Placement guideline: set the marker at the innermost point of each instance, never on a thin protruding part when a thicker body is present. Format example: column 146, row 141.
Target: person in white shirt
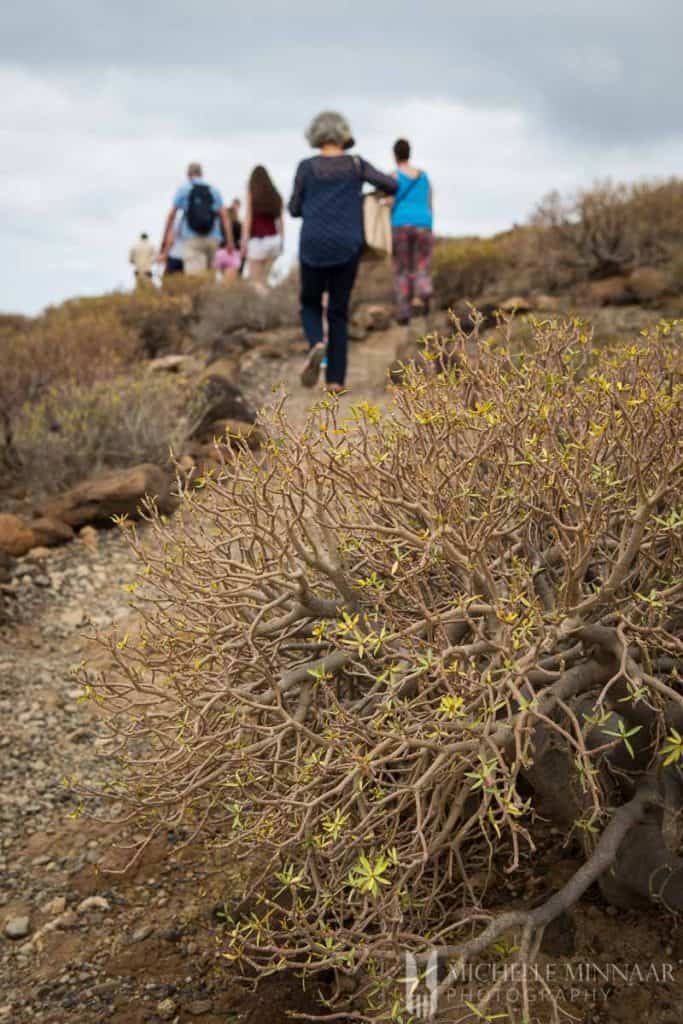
column 142, row 256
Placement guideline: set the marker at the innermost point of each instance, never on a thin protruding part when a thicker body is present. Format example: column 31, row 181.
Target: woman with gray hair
column 328, row 194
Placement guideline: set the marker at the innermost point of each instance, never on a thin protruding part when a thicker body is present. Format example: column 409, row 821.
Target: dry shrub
column 161, row 321
column 76, row 341
column 225, row 309
column 368, row 659
column 13, row 322
column 374, row 283
column 648, row 284
column 65, row 344
column 80, row 343
column 465, row 268
column 76, row 430
column 611, row 228
column 189, row 287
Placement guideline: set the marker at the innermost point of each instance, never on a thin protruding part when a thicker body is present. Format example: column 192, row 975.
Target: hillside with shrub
column 611, row 244
column 62, row 407
column 369, row 675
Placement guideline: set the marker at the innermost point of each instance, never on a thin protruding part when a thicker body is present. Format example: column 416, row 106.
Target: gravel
column 78, row 943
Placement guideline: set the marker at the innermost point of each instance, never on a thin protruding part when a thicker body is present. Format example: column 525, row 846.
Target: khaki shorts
column 198, row 254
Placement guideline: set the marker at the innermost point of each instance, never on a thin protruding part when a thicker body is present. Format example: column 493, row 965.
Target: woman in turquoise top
column 411, row 221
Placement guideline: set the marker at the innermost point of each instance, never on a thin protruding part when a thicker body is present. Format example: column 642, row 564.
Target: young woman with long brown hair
column 263, row 228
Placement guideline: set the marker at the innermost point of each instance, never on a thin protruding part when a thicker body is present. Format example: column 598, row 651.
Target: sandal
column 311, row 370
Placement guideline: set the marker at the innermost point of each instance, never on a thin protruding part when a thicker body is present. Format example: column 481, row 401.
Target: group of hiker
column 201, row 234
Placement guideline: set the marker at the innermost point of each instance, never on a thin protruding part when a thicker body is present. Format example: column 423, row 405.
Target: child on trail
column 228, row 262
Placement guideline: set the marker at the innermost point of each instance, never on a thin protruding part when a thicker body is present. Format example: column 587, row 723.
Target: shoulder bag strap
column 410, row 188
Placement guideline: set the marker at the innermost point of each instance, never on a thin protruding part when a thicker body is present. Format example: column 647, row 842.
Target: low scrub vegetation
column 75, row 430
column 631, row 231
column 612, row 228
column 73, row 393
column 465, row 268
column 221, row 311
column 66, row 345
column 372, row 662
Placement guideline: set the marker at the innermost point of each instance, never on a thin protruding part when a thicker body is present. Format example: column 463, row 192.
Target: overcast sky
column 103, row 104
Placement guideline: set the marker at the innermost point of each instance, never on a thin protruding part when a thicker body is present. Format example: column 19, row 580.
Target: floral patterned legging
column 412, row 259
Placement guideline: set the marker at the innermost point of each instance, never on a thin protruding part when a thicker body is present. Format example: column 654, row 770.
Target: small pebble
column 199, row 1006
column 92, row 903
column 140, row 934
column 166, row 1009
column 55, row 906
column 17, row 928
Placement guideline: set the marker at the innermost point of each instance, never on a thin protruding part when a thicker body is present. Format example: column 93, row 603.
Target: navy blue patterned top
column 328, row 194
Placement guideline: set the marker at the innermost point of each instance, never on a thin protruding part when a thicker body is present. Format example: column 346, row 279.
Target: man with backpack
column 203, row 214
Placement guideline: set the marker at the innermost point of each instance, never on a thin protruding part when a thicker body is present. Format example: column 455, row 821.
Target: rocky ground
column 79, row 943
column 265, row 372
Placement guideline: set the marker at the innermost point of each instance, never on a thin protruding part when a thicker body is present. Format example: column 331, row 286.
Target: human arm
column 383, row 182
column 389, row 200
column 295, row 205
column 167, row 236
column 246, row 225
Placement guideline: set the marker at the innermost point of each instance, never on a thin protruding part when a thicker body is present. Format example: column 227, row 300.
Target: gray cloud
column 103, row 105
column 606, row 70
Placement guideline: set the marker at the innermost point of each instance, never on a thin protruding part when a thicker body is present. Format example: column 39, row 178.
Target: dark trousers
column 338, row 282
column 173, row 265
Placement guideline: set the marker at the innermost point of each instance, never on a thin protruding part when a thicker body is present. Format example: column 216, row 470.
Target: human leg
column 261, row 254
column 267, row 267
column 401, row 250
column 313, row 282
column 257, row 274
column 424, row 242
column 199, row 254
column 340, row 285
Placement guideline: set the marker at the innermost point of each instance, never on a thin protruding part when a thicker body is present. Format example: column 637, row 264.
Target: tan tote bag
column 376, row 225
column 376, row 228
